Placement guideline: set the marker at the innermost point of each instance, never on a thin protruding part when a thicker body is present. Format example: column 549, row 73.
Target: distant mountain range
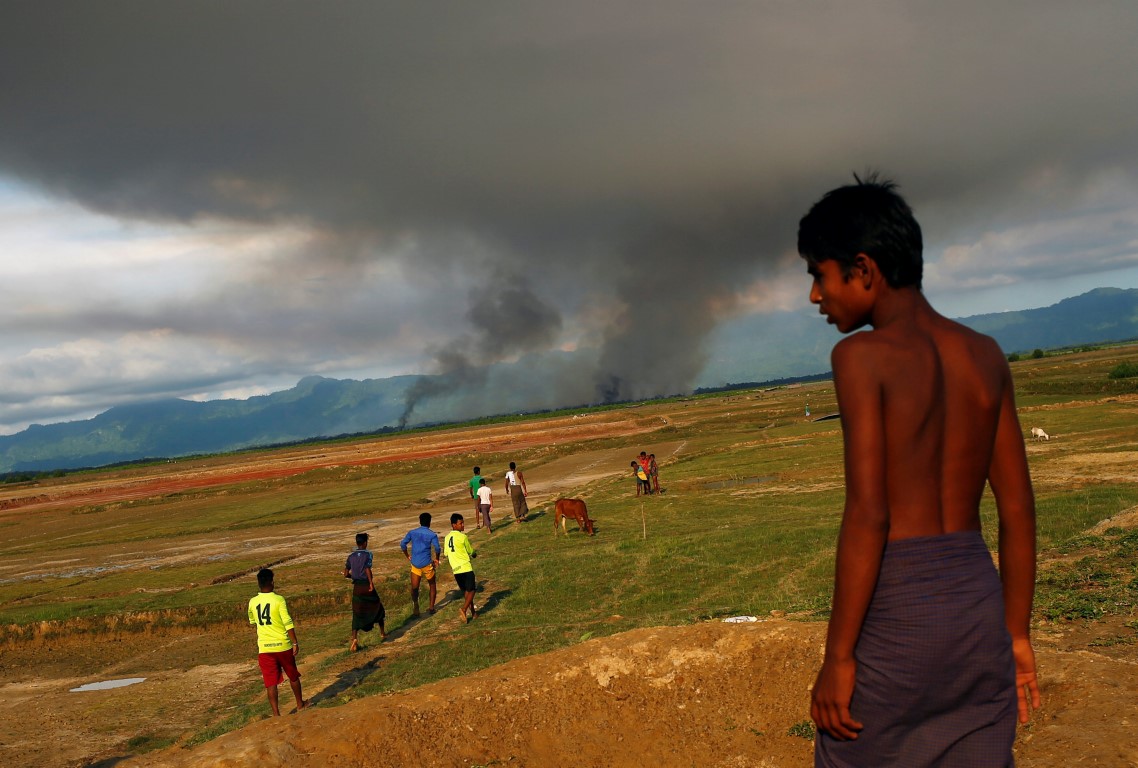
column 752, row 349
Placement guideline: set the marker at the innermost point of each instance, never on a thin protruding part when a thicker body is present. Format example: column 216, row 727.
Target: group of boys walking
column 277, row 644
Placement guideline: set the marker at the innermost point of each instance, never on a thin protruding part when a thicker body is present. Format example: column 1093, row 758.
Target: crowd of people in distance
column 647, row 474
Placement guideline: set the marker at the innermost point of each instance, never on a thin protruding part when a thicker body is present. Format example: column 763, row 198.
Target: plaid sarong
column 518, row 499
column 367, row 610
column 935, row 674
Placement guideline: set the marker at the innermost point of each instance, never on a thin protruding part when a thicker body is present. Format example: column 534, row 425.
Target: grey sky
column 213, row 198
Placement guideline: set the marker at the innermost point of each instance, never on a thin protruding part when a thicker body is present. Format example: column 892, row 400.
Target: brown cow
column 567, row 509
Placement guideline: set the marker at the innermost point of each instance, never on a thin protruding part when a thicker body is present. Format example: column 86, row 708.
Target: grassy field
column 747, row 526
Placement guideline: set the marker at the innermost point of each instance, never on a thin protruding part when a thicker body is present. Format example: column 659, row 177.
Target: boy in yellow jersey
column 459, row 554
column 276, row 641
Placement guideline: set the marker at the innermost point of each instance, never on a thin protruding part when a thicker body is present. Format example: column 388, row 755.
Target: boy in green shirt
column 276, row 641
column 459, row 554
column 473, row 485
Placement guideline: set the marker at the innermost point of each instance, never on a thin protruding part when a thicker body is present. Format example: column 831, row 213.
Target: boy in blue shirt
column 424, row 559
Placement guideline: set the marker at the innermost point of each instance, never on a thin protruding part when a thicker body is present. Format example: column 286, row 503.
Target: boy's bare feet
column 355, row 646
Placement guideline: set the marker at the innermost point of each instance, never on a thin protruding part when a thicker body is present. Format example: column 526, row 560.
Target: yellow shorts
column 427, row 571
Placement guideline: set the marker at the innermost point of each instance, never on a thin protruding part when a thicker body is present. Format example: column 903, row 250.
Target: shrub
column 1038, row 353
column 1125, row 370
column 1013, row 357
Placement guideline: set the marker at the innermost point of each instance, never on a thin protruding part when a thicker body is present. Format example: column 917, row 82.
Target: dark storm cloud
column 655, row 154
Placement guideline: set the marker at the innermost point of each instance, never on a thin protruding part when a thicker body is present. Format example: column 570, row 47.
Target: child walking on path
column 424, row 559
column 486, row 503
column 517, row 491
column 367, row 608
column 460, row 554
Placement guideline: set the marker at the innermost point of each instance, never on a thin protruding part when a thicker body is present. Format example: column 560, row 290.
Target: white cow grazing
column 1039, row 434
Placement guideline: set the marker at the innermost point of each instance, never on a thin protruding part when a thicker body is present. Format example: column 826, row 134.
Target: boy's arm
column 295, row 642
column 370, row 579
column 861, row 541
column 522, row 480
column 1015, row 504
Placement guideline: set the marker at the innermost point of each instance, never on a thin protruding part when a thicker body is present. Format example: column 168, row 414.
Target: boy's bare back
column 935, row 390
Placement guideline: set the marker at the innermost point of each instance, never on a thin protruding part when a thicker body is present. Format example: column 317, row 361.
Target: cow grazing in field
column 574, row 509
column 1039, row 434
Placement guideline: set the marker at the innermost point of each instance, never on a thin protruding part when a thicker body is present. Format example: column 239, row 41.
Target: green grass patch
column 1099, row 577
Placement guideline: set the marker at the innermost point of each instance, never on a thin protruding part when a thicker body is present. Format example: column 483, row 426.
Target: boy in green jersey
column 276, row 641
column 459, row 554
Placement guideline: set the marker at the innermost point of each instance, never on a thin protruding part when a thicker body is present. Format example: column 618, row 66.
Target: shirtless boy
column 928, row 650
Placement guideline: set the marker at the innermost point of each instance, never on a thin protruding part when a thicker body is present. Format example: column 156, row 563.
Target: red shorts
column 272, row 664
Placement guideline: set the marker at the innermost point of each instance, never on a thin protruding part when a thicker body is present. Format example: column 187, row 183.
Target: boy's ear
column 864, row 269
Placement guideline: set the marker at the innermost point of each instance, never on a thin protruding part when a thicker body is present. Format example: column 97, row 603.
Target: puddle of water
column 719, row 484
column 105, row 685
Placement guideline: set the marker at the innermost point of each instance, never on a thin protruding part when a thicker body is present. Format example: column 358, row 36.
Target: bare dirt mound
column 711, row 694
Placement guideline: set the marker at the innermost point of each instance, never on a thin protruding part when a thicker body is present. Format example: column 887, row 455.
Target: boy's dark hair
column 513, row 465
column 425, row 519
column 867, row 217
column 264, row 578
column 361, row 539
column 477, row 470
column 455, row 518
column 482, row 481
column 633, row 463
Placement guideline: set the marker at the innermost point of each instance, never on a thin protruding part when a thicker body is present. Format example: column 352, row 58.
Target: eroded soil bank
column 711, row 694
